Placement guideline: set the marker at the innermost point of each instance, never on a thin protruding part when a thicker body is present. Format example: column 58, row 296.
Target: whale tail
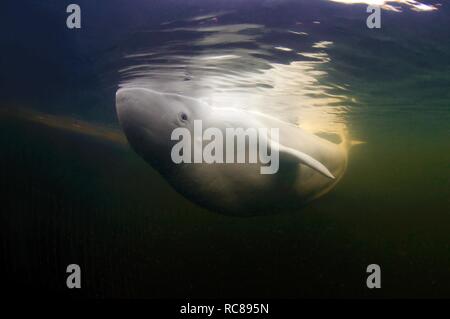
column 346, row 142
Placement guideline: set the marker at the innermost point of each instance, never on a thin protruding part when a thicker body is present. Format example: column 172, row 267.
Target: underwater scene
column 359, row 90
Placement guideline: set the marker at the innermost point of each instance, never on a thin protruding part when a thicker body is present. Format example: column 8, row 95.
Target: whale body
column 309, row 166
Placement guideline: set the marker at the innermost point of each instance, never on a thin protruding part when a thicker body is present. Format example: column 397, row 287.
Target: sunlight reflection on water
column 236, row 66
column 393, row 5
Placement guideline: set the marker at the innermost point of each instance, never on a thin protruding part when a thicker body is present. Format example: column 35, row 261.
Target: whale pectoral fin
column 303, row 158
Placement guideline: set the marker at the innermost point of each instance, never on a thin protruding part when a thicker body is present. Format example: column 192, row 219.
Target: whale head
column 148, row 119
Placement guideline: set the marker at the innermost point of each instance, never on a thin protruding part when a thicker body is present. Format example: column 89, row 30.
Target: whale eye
column 183, row 117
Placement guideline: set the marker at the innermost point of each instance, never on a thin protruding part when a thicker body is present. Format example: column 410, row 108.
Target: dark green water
column 73, row 198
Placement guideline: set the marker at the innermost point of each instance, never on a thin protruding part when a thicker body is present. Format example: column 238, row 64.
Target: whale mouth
column 142, row 116
column 134, row 116
column 127, row 109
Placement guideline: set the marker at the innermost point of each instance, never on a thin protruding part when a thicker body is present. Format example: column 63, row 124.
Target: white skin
column 309, row 165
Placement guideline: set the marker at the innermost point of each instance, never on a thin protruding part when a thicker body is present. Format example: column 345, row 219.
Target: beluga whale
column 289, row 167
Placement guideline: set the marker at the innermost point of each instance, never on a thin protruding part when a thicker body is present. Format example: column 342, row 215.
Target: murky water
column 75, row 192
